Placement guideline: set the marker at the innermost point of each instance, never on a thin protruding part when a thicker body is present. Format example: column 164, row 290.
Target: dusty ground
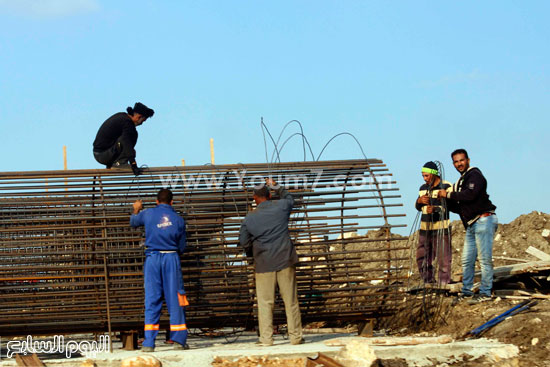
column 528, row 330
column 258, row 361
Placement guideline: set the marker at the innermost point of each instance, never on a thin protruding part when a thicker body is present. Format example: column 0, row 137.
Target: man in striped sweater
column 435, row 233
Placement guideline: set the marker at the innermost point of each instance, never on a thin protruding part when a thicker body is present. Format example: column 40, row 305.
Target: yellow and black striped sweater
column 439, row 219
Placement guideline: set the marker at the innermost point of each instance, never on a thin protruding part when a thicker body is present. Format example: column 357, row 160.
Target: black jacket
column 117, row 126
column 470, row 193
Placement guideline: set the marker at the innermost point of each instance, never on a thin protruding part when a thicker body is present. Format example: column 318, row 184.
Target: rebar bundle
column 70, row 262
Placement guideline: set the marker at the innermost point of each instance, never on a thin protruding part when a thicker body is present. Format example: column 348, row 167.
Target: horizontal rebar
column 60, row 231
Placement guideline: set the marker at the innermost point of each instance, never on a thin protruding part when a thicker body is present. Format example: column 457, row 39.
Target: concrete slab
column 203, row 351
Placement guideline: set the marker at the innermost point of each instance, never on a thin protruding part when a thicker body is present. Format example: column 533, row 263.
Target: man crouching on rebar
column 434, row 238
column 165, row 240
column 265, row 231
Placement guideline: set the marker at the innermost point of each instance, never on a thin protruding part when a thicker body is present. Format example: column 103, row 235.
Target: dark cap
column 430, row 167
column 142, row 109
column 261, row 191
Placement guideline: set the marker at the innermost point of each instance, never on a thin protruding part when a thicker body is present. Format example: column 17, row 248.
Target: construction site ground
column 244, row 352
column 522, row 340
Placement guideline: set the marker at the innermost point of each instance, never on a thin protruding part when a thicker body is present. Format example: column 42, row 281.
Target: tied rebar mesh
column 427, row 288
column 69, row 261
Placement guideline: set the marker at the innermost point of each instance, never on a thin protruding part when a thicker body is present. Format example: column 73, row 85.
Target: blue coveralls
column 165, row 240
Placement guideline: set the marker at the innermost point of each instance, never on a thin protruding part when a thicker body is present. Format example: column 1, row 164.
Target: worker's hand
column 270, row 182
column 137, row 171
column 424, row 200
column 429, row 209
column 138, row 206
column 442, row 194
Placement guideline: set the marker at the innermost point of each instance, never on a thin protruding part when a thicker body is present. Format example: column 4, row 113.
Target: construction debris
column 28, row 360
column 356, row 353
column 143, row 360
column 322, row 360
column 443, row 339
column 258, row 361
column 503, row 316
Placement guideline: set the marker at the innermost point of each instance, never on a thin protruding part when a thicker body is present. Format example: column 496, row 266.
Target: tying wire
column 337, row 135
column 264, row 130
column 431, row 298
column 225, row 334
column 304, row 139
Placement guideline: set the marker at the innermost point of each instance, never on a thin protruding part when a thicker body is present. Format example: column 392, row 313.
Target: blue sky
column 412, row 80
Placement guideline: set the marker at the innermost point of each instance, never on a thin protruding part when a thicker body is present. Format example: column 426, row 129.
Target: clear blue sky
column 413, row 80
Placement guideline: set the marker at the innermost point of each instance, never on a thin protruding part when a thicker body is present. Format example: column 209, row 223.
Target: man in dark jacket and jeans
column 265, row 232
column 117, row 137
column 478, row 216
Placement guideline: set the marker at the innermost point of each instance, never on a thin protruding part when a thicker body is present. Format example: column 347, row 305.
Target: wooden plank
column 534, row 295
column 510, row 259
column 28, row 361
column 322, row 360
column 530, row 267
column 541, row 255
column 515, row 297
column 443, row 339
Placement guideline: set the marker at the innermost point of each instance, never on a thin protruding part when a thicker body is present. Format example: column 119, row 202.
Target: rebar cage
column 70, row 262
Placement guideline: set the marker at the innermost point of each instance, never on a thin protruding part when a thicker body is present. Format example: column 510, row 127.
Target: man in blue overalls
column 165, row 240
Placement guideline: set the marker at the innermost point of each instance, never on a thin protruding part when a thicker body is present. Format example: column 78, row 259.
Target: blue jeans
column 479, row 242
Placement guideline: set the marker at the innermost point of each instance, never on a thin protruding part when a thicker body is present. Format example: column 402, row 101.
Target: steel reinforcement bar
column 69, row 262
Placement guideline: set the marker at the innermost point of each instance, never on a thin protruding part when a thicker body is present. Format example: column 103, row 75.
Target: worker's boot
column 178, row 346
column 148, row 349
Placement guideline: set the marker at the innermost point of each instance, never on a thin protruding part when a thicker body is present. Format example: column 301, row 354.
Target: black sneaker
column 478, row 298
column 178, row 346
column 461, row 297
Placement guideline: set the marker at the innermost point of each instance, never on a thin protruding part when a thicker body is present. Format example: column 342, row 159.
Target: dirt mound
column 511, row 240
column 526, row 329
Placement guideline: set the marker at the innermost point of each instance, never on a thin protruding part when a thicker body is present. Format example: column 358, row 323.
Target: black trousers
column 120, row 153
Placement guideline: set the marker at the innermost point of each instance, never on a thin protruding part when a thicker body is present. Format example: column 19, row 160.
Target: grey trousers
column 265, row 293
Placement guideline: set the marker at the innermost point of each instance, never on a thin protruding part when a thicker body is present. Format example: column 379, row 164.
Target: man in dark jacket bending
column 265, row 232
column 478, row 216
column 117, row 137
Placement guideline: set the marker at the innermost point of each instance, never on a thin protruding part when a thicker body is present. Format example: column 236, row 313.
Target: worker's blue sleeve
column 137, row 220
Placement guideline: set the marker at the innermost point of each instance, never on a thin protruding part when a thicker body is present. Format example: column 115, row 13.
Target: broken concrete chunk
column 141, row 361
column 88, row 363
column 356, row 353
